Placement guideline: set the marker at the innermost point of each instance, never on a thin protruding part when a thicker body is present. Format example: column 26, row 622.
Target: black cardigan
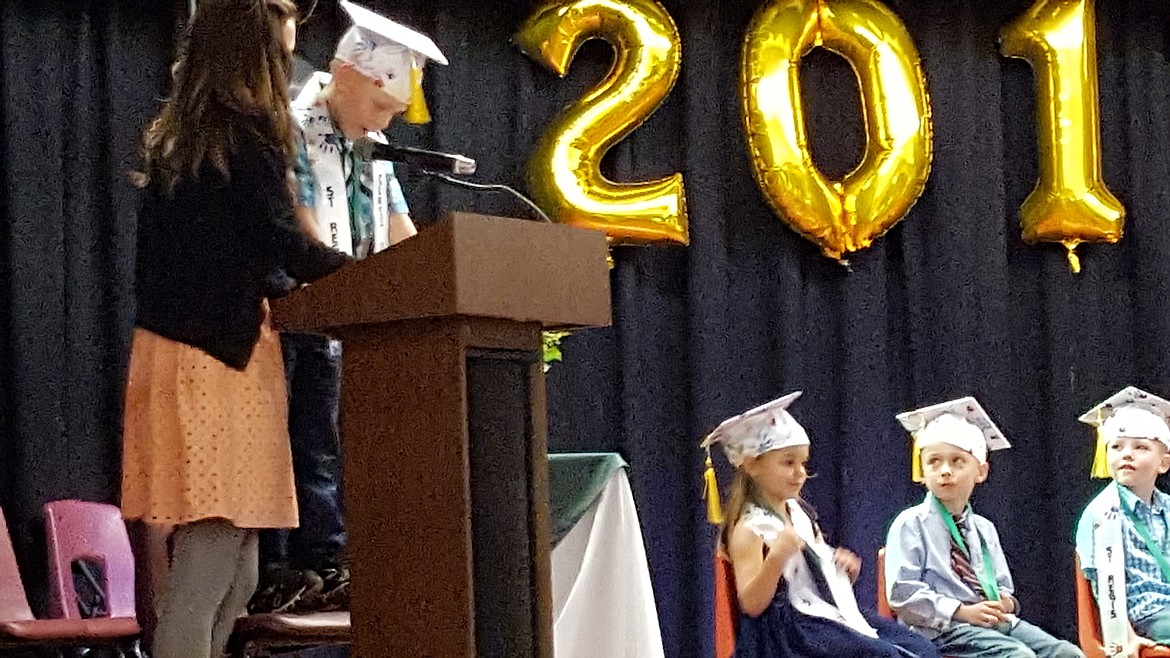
column 207, row 252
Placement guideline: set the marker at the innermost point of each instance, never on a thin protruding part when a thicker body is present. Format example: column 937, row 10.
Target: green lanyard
column 1151, row 546
column 987, row 578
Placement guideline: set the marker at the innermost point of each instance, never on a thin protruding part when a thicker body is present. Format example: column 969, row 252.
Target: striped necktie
column 961, row 563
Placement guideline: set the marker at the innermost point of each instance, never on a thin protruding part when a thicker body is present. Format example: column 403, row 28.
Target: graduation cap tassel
column 915, row 459
column 417, row 113
column 711, row 493
column 1100, row 463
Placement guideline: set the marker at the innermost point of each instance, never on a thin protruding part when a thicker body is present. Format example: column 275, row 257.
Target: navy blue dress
column 782, row 631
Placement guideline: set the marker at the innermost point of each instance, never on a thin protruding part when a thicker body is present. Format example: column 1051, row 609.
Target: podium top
column 465, row 265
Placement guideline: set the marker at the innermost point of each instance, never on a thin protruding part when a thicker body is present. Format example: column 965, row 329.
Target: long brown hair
column 741, row 494
column 231, row 77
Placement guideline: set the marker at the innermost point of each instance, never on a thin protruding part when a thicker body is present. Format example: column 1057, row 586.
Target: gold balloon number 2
column 1070, row 204
column 564, row 173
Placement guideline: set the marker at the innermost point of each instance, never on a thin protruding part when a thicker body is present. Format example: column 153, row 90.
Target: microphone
column 440, row 166
column 429, row 161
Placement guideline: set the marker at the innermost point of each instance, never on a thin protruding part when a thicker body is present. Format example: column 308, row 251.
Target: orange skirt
column 202, row 441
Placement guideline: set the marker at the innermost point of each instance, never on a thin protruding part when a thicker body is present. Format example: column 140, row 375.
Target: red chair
column 726, row 607
column 19, row 629
column 1089, row 622
column 883, row 604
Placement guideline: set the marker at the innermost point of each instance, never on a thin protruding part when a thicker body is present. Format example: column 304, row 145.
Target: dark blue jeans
column 312, row 368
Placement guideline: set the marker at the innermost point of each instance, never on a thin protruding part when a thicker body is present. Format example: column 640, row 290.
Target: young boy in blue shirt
column 946, row 574
column 1123, row 536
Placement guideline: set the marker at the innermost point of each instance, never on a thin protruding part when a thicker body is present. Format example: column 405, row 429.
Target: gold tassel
column 1100, row 462
column 711, row 493
column 417, row 112
column 915, row 459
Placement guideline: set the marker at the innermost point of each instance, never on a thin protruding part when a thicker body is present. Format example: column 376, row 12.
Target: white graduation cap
column 750, row 434
column 763, row 429
column 391, row 53
column 962, row 423
column 1129, row 413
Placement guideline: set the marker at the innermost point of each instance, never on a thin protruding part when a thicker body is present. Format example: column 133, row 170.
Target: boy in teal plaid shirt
column 1123, row 536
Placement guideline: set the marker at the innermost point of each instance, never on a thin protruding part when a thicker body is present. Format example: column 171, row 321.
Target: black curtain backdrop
column 949, row 303
column 78, row 80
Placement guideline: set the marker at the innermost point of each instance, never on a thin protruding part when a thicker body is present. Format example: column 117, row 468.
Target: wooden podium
column 444, row 428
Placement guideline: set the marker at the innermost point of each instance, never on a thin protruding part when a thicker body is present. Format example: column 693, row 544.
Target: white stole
column 382, row 173
column 322, row 142
column 839, row 584
column 802, row 589
column 1109, row 560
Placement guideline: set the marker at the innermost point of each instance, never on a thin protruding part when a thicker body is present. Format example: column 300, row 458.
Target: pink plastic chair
column 78, row 530
column 95, row 532
column 18, row 627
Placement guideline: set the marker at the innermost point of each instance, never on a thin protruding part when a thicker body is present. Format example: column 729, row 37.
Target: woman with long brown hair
column 205, row 433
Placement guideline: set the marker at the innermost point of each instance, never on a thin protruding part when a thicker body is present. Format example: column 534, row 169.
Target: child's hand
column 985, row 614
column 847, row 561
column 1134, row 648
column 786, row 544
column 1009, row 603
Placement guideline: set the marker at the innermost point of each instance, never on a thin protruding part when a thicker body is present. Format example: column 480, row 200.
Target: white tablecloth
column 603, row 605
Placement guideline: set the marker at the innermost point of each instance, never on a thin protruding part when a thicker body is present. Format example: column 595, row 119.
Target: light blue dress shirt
column 922, row 588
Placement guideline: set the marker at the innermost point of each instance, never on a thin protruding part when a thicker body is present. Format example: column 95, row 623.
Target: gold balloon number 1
column 1070, row 204
column 564, row 173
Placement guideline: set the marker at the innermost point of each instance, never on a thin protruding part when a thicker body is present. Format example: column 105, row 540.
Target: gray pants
column 213, row 574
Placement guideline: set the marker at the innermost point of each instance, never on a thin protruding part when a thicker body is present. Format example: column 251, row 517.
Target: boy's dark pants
column 312, row 368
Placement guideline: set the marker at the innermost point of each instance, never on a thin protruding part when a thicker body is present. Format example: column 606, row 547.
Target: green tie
column 360, row 198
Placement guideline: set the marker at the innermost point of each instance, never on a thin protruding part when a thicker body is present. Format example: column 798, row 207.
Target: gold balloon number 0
column 1070, row 204
column 847, row 215
column 564, row 173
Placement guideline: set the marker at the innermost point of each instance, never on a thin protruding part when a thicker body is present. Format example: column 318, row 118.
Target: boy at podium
column 356, row 206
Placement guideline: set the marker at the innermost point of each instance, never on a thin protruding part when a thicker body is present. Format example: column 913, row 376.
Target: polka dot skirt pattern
column 202, row 440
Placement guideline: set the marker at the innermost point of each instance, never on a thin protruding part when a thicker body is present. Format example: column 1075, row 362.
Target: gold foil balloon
column 564, row 171
column 1070, row 204
column 847, row 215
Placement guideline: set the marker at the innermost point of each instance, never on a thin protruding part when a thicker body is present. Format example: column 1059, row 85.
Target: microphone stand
column 488, row 187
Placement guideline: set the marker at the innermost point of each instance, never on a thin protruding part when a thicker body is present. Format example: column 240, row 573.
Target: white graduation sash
column 839, row 583
column 322, row 142
column 802, row 589
column 1109, row 560
column 381, row 173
